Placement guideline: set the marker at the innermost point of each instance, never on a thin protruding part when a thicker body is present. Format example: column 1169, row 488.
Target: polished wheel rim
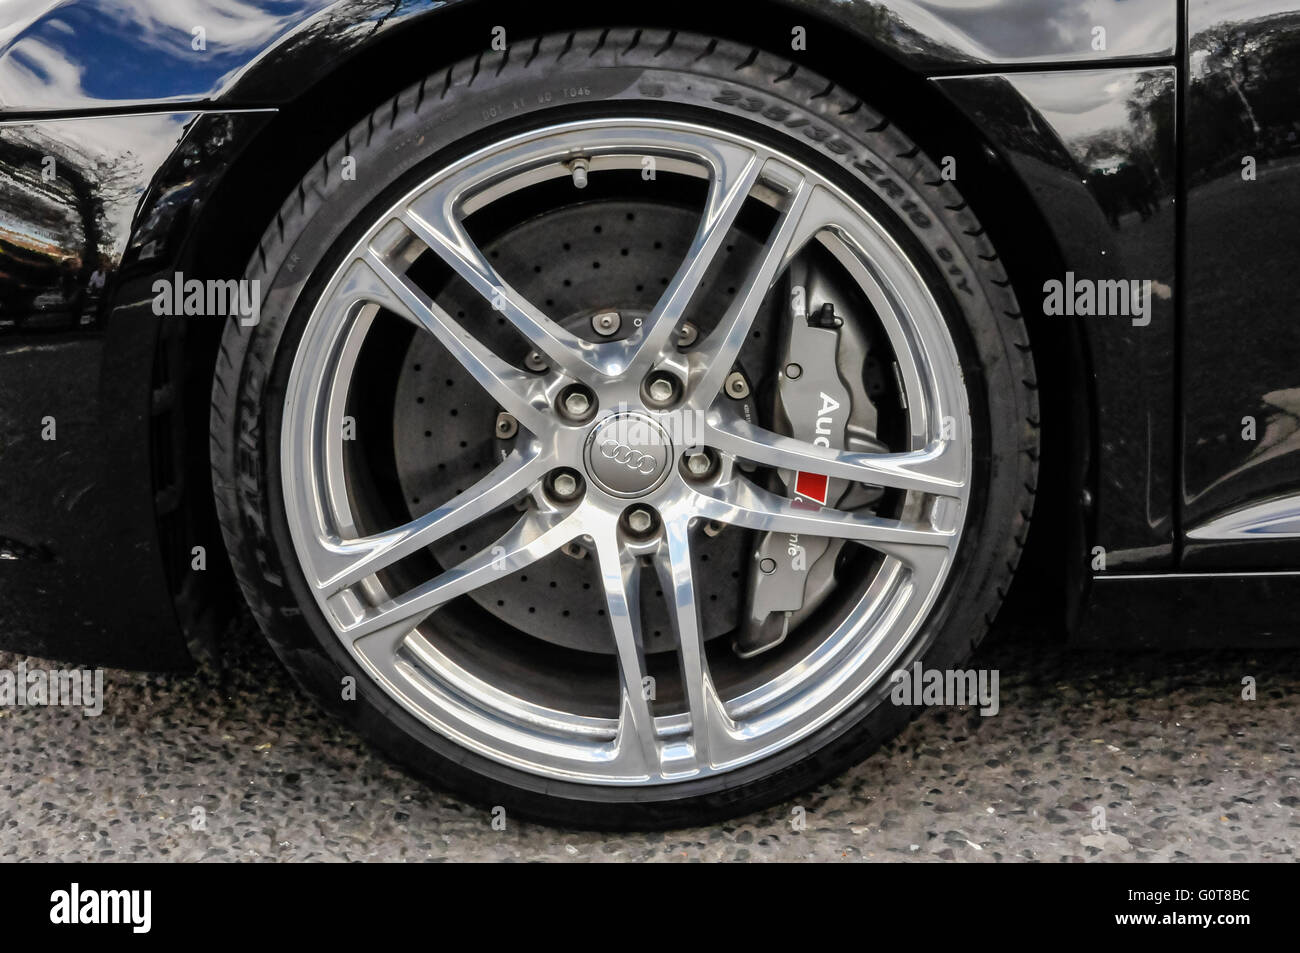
column 618, row 469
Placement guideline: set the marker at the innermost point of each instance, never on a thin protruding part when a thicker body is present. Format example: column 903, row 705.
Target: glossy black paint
column 1098, row 154
column 81, row 566
column 96, row 528
column 92, row 54
column 1131, row 613
column 1242, row 339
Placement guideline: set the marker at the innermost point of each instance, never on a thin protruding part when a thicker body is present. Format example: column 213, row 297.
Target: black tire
column 488, row 96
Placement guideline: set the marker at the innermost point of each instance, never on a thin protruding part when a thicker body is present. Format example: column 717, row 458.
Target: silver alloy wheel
column 384, row 630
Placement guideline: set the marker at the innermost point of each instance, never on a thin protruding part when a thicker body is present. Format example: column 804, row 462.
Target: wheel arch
column 225, row 231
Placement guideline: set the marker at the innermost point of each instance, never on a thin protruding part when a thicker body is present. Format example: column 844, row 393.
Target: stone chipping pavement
column 1182, row 766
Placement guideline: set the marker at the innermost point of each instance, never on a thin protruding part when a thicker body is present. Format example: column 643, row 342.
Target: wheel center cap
column 628, row 454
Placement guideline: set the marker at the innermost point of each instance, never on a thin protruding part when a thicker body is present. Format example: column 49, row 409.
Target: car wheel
column 621, row 414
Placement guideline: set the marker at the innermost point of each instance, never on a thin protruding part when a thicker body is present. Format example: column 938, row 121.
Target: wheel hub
column 628, row 455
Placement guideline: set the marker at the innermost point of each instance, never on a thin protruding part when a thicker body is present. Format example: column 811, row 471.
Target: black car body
column 1107, row 140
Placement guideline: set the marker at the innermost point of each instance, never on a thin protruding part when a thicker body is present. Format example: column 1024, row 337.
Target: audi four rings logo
column 637, row 460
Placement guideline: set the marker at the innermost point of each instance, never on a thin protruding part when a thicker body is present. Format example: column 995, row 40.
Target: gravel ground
column 1184, row 768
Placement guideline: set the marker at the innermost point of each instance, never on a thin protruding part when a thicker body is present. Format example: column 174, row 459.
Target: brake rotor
column 574, row 263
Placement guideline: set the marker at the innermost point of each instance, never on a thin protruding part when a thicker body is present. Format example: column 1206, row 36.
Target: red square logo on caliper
column 811, row 486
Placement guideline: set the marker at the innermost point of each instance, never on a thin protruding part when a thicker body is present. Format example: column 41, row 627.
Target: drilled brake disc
column 616, row 255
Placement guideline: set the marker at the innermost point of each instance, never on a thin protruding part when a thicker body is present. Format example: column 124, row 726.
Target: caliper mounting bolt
column 825, row 317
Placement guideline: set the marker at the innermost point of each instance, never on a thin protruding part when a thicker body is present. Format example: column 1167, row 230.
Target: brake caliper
column 814, row 404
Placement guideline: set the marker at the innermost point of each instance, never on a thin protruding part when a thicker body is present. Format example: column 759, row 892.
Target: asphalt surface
column 1184, row 768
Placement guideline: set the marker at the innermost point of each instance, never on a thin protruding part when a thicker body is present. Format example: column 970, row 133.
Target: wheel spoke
column 733, row 172
column 936, row 469
column 743, row 504
column 432, row 219
column 518, row 392
column 803, row 217
column 342, row 563
column 534, row 536
column 621, row 575
column 711, row 742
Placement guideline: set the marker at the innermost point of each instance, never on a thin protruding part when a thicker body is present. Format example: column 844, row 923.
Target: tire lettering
column 881, row 179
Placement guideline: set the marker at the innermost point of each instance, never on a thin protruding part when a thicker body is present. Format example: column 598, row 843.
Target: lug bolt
column 736, row 386
column 767, row 566
column 564, row 485
column 606, row 323
column 576, row 403
column 793, row 371
column 660, row 390
column 687, row 334
column 640, row 520
column 507, row 426
column 579, row 169
column 699, row 464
